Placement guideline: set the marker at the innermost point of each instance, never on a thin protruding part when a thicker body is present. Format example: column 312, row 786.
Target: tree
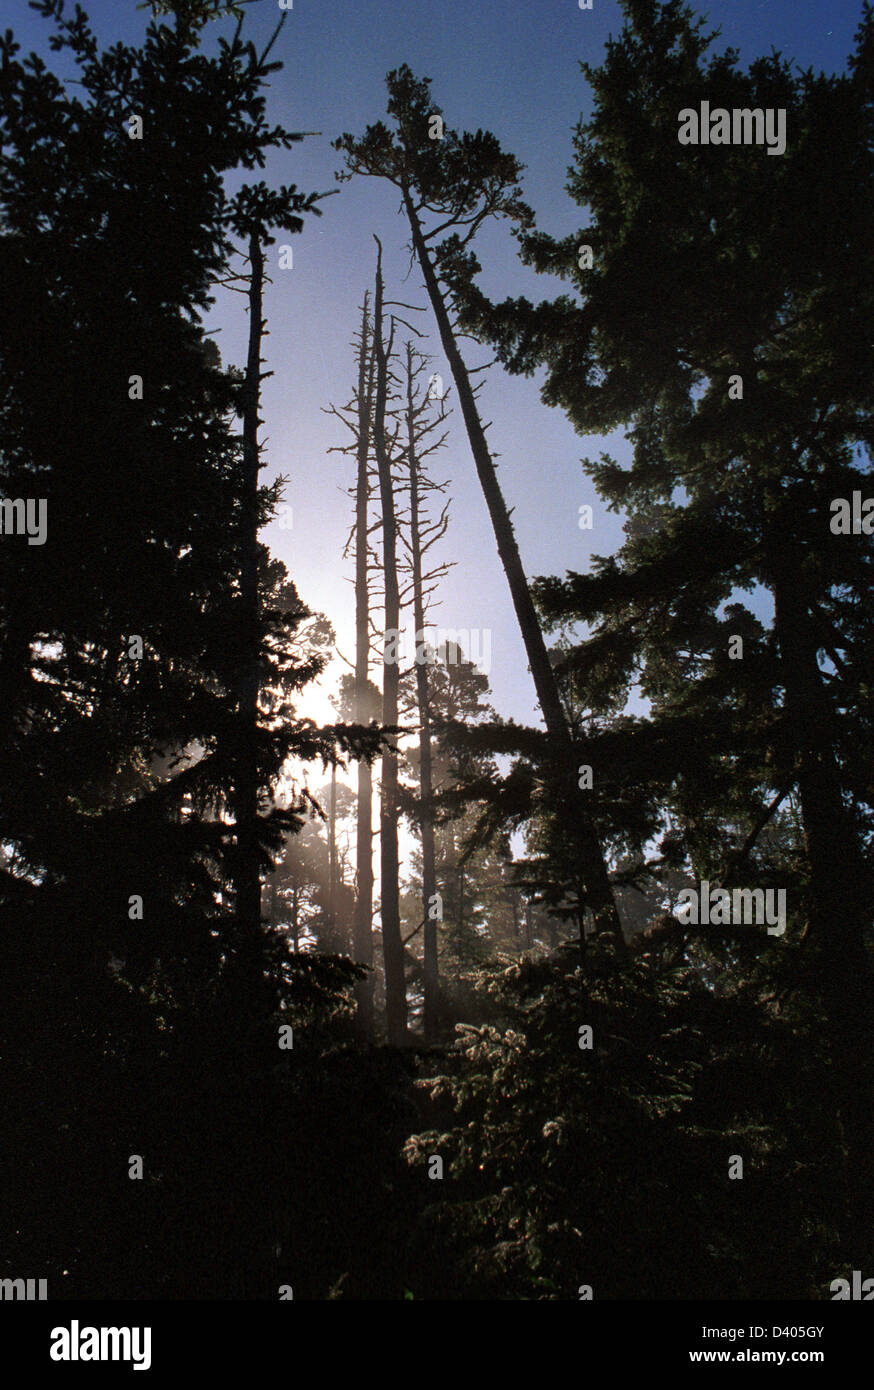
column 739, row 356
column 392, row 942
column 584, row 1116
column 424, row 532
column 122, row 647
column 364, row 709
column 411, row 422
column 360, row 701
column 461, row 181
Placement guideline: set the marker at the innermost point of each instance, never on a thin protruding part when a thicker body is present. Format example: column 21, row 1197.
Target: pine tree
column 738, row 355
column 122, row 647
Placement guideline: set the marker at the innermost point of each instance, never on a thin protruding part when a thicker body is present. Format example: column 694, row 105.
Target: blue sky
column 510, row 66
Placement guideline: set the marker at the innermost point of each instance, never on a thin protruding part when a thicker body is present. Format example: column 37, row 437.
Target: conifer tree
column 737, row 354
column 124, row 654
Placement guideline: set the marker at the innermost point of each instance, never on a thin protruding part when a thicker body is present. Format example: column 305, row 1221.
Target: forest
column 326, row 976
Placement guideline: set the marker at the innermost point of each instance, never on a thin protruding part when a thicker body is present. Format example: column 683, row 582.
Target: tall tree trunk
column 592, row 862
column 392, row 940
column 332, row 860
column 426, row 821
column 249, row 968
column 363, row 920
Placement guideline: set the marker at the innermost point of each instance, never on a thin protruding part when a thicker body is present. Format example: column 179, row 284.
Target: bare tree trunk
column 392, row 940
column 426, row 822
column 332, row 860
column 248, row 969
column 594, row 868
column 363, row 922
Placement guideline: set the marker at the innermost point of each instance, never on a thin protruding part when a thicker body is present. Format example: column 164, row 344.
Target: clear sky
column 510, row 66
